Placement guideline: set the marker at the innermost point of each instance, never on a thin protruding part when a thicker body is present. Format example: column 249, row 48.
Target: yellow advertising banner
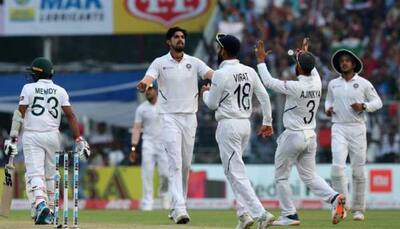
column 107, row 183
column 156, row 16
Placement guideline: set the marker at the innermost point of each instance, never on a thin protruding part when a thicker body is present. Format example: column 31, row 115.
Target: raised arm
column 281, row 86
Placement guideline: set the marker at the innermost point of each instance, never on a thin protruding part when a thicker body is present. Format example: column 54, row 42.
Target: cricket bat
column 7, row 195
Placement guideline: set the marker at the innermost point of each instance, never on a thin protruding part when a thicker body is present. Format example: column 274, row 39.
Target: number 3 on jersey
column 310, row 106
column 38, row 109
column 243, row 99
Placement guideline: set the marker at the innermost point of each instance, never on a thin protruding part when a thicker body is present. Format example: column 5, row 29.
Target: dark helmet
column 41, row 68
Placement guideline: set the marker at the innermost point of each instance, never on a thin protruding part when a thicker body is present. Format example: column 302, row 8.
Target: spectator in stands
column 390, row 149
column 101, row 142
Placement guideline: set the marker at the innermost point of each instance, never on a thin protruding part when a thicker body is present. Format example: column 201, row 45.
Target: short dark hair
column 230, row 43
column 306, row 61
column 171, row 31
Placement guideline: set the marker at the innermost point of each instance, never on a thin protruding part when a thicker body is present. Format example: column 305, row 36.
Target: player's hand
column 83, row 148
column 329, row 112
column 357, row 107
column 205, row 88
column 142, row 86
column 305, row 44
column 133, row 156
column 10, row 147
column 265, row 131
column 260, row 53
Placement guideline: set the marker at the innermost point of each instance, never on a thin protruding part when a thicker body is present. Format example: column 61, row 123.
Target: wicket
column 75, row 185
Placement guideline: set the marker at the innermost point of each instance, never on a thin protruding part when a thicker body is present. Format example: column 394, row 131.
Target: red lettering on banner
column 380, row 180
column 166, row 12
column 270, row 203
column 197, row 186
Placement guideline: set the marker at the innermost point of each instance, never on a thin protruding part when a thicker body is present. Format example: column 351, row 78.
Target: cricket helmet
column 41, row 68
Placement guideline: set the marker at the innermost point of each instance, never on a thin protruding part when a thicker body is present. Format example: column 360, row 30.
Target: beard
column 179, row 48
column 297, row 70
column 220, row 59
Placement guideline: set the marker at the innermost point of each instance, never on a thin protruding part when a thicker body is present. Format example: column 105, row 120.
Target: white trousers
column 179, row 131
column 39, row 155
column 152, row 154
column 298, row 148
column 350, row 140
column 232, row 136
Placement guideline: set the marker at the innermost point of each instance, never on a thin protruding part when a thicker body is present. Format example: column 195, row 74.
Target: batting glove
column 83, row 148
column 10, row 147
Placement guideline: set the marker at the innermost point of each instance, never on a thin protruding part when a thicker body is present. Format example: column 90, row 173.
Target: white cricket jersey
column 342, row 93
column 177, row 82
column 231, row 92
column 44, row 100
column 147, row 115
column 302, row 98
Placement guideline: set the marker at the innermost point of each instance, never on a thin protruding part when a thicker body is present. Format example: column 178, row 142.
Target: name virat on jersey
column 45, row 91
column 241, row 77
column 310, row 94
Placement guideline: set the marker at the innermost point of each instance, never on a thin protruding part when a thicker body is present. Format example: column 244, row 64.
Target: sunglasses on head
column 218, row 38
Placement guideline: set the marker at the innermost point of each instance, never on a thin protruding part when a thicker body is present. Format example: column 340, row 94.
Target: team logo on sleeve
column 356, row 85
column 188, row 66
column 21, row 98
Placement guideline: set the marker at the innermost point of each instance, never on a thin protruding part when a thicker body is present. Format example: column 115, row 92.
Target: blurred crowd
column 369, row 28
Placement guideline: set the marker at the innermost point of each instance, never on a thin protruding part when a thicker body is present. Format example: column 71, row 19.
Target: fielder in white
column 39, row 115
column 230, row 94
column 297, row 145
column 177, row 76
column 348, row 100
column 147, row 120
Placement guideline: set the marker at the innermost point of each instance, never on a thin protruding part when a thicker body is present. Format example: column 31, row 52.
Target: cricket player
column 39, row 116
column 297, row 145
column 349, row 99
column 177, row 76
column 230, row 94
column 147, row 120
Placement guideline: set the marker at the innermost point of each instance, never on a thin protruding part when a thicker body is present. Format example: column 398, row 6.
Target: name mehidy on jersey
column 45, row 91
column 241, row 77
column 310, row 94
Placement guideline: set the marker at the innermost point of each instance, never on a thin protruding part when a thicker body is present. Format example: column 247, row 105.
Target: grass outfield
column 124, row 219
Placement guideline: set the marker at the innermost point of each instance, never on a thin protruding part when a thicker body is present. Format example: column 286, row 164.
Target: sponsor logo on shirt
column 188, row 66
column 356, row 85
column 380, row 180
column 167, row 67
